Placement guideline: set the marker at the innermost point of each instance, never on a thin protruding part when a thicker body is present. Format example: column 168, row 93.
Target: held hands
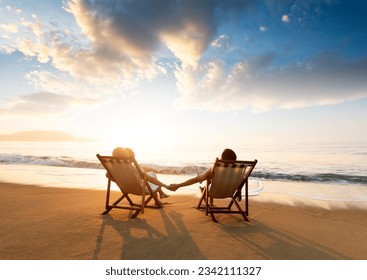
column 173, row 187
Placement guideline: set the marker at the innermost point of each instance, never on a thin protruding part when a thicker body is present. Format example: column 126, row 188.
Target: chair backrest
column 126, row 173
column 227, row 176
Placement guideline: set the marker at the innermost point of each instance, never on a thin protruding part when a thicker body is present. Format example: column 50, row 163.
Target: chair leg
column 237, row 195
column 109, row 207
column 211, row 213
column 143, row 198
column 206, row 202
column 156, row 200
column 136, row 213
column 240, row 210
column 203, row 194
column 213, row 218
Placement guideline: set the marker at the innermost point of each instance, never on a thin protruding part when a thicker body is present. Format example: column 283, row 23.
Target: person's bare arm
column 198, row 179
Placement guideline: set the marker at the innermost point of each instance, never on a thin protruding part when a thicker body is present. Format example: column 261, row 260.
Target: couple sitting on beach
column 227, row 154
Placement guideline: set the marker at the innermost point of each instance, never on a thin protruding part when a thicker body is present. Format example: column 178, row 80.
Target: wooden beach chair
column 227, row 180
column 131, row 180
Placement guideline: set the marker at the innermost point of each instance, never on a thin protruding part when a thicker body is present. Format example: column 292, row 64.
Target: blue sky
column 179, row 73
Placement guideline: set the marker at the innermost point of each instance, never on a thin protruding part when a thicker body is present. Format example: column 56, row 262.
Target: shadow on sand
column 272, row 244
column 141, row 239
column 167, row 234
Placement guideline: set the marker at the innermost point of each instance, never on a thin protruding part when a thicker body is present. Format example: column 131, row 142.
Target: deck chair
column 131, row 180
column 227, row 180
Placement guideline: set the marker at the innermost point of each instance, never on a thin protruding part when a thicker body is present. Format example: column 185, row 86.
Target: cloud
column 10, row 27
column 98, row 64
column 255, row 84
column 66, row 84
column 119, row 41
column 285, row 18
column 42, row 103
column 11, row 9
column 185, row 27
column 117, row 44
column 6, row 50
column 35, row 26
column 263, row 28
column 222, row 42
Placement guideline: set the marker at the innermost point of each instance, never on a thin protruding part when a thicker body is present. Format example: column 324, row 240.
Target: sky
column 185, row 73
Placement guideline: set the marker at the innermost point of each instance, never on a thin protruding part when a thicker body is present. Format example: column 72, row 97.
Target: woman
column 151, row 176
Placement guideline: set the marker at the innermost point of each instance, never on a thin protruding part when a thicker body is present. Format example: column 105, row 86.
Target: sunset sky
column 179, row 73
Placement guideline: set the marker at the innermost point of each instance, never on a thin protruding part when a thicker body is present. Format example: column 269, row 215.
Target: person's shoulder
column 207, row 172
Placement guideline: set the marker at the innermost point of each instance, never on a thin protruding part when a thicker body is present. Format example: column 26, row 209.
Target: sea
column 74, row 164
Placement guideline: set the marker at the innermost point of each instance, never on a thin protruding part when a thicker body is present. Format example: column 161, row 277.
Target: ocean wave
column 316, row 177
column 47, row 161
column 264, row 174
column 94, row 164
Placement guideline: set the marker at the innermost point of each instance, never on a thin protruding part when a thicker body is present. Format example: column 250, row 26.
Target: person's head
column 131, row 153
column 123, row 152
column 229, row 154
column 120, row 152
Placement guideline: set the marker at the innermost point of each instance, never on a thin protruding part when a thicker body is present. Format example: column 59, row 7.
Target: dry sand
column 63, row 223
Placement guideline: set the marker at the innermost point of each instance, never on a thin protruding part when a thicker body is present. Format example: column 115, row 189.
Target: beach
column 270, row 95
column 40, row 222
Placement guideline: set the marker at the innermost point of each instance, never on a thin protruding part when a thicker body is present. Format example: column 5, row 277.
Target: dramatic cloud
column 138, row 29
column 98, row 65
column 119, row 41
column 254, row 84
column 118, row 44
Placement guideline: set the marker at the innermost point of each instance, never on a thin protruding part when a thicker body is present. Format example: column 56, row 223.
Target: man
column 227, row 154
